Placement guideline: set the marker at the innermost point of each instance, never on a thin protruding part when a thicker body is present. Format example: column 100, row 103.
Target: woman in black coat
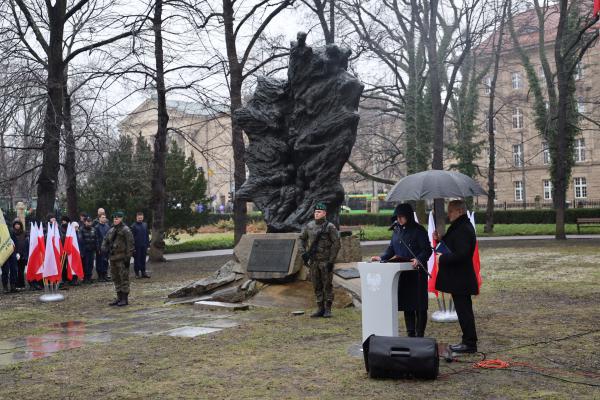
column 409, row 240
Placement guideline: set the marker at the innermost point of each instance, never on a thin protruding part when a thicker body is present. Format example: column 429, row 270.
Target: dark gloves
column 330, row 267
column 305, row 258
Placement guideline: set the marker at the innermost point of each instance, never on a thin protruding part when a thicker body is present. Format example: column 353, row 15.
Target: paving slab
column 190, row 331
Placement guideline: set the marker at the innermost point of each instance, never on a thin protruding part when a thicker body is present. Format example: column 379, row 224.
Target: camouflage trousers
column 119, row 270
column 322, row 280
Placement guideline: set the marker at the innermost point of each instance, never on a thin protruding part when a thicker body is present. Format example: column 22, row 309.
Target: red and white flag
column 35, row 261
column 51, row 267
column 71, row 249
column 432, row 266
column 476, row 260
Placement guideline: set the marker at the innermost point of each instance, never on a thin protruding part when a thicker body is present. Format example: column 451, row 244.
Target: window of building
column 580, row 105
column 487, row 85
column 545, row 153
column 579, row 150
column 547, row 189
column 518, row 155
column 517, row 118
column 580, row 185
column 579, row 71
column 518, row 191
column 516, row 80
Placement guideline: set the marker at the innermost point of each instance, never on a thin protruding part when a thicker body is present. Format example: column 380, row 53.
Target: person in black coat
column 88, row 249
column 456, row 274
column 21, row 239
column 141, row 239
column 410, row 243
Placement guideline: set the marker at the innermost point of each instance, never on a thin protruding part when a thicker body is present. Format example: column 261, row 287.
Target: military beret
column 320, row 206
column 118, row 214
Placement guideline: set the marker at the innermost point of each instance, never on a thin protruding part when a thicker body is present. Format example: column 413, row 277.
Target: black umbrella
column 435, row 184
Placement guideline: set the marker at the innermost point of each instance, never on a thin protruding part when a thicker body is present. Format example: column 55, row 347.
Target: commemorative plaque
column 271, row 255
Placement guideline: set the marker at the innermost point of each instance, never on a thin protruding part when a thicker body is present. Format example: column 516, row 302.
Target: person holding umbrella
column 410, row 244
column 456, row 274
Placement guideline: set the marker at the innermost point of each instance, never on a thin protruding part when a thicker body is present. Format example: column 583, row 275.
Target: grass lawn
column 213, row 241
column 539, row 311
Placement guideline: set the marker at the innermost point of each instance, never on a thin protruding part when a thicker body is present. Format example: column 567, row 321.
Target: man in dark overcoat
column 456, row 274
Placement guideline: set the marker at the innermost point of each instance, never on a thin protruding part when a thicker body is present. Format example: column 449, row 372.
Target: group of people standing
column 98, row 244
column 320, row 244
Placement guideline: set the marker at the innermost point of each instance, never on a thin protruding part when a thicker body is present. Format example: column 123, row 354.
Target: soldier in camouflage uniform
column 118, row 244
column 320, row 258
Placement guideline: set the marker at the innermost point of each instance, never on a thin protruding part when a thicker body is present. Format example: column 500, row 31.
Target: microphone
column 419, row 265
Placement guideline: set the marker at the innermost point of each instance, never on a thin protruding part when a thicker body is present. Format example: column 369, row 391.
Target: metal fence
column 536, row 205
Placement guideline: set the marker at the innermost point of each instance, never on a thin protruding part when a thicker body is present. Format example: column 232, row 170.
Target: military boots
column 116, row 301
column 320, row 312
column 327, row 311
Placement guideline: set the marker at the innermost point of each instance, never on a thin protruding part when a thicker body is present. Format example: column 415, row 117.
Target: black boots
column 124, row 301
column 327, row 313
column 319, row 312
column 323, row 311
column 116, row 301
column 415, row 321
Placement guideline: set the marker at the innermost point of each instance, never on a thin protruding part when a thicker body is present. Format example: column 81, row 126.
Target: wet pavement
column 186, row 322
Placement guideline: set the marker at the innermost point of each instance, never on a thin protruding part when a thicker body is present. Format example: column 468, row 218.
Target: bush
column 500, row 217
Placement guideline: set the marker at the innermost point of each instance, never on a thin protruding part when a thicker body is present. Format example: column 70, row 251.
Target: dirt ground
column 538, row 309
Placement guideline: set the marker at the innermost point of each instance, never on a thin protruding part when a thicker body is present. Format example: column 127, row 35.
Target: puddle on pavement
column 75, row 334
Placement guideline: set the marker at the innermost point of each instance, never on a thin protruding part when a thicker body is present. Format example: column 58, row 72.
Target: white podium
column 379, row 295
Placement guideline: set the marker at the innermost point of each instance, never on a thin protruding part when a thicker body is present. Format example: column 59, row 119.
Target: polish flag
column 36, row 258
column 476, row 260
column 71, row 249
column 596, row 7
column 432, row 266
column 41, row 246
column 51, row 268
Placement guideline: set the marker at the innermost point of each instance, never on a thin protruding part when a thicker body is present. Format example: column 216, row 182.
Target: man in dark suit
column 456, row 274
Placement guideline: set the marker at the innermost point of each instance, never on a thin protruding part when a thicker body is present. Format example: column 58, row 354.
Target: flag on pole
column 41, row 246
column 35, row 260
column 596, row 7
column 51, row 270
column 476, row 260
column 432, row 266
column 71, row 249
column 6, row 244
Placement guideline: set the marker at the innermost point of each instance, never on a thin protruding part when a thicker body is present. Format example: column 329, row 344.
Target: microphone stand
column 419, row 265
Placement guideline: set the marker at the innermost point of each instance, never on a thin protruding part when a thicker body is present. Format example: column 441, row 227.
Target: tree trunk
column 48, row 179
column 562, row 168
column 489, row 209
column 436, row 110
column 237, row 137
column 159, row 180
column 70, row 164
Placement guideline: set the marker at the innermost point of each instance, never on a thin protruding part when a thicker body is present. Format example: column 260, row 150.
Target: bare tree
column 47, row 20
column 559, row 123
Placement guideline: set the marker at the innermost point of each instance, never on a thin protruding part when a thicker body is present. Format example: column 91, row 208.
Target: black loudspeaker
column 401, row 357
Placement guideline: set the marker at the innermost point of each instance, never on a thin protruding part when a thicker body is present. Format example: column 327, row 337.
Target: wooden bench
column 587, row 221
column 354, row 228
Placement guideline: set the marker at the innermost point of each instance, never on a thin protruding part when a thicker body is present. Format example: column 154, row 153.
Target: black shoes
column 144, row 275
column 463, row 348
column 319, row 312
column 116, row 301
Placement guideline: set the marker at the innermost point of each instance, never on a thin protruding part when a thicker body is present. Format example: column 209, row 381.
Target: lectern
column 379, row 295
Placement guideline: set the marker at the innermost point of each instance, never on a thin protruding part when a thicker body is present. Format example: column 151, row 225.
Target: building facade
column 522, row 155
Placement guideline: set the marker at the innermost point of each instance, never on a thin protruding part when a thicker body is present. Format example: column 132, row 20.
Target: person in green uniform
column 118, row 244
column 320, row 243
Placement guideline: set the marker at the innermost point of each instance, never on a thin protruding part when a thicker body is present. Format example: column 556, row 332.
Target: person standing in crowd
column 88, row 249
column 456, row 274
column 101, row 212
column 410, row 244
column 118, row 244
column 319, row 246
column 21, row 240
column 141, row 237
column 101, row 229
column 9, row 270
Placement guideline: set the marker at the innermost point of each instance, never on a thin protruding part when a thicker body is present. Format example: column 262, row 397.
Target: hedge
column 500, row 217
